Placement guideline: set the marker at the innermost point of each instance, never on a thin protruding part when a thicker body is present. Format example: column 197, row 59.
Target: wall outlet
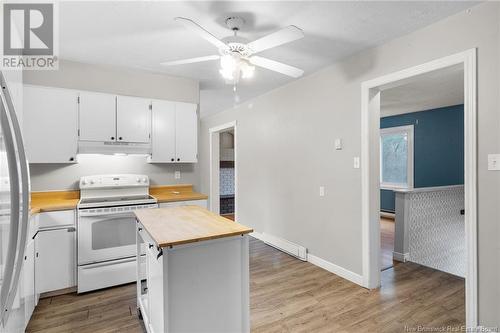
column 338, row 144
column 357, row 163
column 321, row 191
column 177, row 175
column 493, row 162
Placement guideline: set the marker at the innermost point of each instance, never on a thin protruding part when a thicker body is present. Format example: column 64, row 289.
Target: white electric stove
column 106, row 228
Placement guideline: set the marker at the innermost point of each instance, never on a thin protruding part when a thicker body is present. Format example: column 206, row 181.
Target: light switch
column 356, row 162
column 494, row 162
column 177, row 175
column 321, row 191
column 338, row 144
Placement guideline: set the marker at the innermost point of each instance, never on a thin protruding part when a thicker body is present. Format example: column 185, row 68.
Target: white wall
column 286, row 149
column 49, row 177
column 115, row 80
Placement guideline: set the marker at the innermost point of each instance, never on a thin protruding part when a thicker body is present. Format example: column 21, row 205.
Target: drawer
column 61, row 218
column 201, row 203
column 171, row 204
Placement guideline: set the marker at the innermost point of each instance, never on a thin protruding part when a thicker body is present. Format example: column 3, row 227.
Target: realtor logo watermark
column 30, row 36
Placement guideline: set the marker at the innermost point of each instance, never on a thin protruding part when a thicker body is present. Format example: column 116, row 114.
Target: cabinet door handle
column 178, row 159
column 71, row 159
column 112, row 138
column 172, row 159
column 120, row 138
column 160, row 253
column 151, row 245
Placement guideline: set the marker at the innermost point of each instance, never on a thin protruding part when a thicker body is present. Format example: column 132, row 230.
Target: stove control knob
column 138, row 180
column 85, row 182
column 144, row 180
column 91, row 182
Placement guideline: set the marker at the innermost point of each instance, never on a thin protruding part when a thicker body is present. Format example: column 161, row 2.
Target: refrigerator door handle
column 14, row 209
column 22, row 199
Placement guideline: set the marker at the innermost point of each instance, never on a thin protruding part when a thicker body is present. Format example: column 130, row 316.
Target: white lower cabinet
column 55, row 259
column 29, row 280
column 155, row 285
column 201, row 203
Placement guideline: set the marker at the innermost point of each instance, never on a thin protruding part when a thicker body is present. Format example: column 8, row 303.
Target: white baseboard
column 335, row 269
column 403, row 257
column 279, row 243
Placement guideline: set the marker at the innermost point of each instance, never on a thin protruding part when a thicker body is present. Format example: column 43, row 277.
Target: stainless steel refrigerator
column 14, row 213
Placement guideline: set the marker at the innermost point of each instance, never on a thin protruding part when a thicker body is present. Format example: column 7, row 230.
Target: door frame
column 370, row 165
column 214, row 166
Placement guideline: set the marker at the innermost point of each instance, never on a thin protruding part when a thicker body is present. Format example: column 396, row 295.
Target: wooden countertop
column 52, row 201
column 186, row 224
column 67, row 200
column 172, row 193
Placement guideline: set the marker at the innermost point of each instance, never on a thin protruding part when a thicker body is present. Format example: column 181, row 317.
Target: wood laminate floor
column 386, row 243
column 287, row 295
column 229, row 216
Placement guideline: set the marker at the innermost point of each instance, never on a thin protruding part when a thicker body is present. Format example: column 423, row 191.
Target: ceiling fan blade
column 190, row 61
column 283, row 36
column 276, row 66
column 193, row 26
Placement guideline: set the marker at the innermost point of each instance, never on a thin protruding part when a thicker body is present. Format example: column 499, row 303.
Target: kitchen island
column 196, row 277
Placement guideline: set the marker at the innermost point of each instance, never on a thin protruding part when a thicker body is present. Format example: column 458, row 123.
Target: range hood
column 109, row 148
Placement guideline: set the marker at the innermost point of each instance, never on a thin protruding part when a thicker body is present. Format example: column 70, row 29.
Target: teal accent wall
column 438, row 148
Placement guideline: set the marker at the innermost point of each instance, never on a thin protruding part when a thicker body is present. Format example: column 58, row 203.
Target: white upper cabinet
column 133, row 119
column 163, row 133
column 175, row 132
column 50, row 124
column 59, row 123
column 186, row 138
column 97, row 117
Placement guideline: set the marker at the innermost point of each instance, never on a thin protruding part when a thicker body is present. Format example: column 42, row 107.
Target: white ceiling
column 141, row 34
column 430, row 91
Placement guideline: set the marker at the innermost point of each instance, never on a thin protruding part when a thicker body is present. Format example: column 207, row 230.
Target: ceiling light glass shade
column 228, row 62
column 226, row 74
column 233, row 67
column 247, row 70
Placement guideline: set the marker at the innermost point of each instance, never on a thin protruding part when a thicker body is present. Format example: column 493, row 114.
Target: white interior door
column 97, row 117
column 163, row 131
column 133, row 119
column 186, row 124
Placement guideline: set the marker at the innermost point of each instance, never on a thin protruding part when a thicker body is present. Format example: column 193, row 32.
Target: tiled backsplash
column 226, row 182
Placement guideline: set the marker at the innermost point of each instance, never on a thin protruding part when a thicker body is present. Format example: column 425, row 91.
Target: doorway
column 223, row 170
column 422, row 167
column 371, row 171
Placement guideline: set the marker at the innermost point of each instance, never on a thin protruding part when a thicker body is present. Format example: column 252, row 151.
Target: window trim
column 409, row 130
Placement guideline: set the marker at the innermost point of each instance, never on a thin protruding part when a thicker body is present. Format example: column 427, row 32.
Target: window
column 396, row 157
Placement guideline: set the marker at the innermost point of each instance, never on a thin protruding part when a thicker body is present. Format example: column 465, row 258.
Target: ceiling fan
column 237, row 55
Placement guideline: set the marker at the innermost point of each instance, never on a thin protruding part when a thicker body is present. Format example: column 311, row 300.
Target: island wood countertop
column 186, row 224
column 172, row 193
